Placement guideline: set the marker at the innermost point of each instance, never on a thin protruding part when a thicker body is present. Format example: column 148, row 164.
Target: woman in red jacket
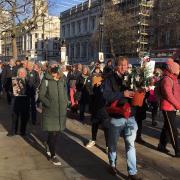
column 170, row 103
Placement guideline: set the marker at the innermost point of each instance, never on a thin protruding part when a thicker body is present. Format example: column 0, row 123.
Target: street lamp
column 101, row 25
column 46, row 50
column 63, row 51
column 43, row 28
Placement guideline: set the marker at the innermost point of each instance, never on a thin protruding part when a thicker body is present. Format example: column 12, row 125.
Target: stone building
column 38, row 43
column 77, row 27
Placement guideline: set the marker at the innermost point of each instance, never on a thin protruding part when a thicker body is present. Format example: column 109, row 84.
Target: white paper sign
column 101, row 56
column 150, row 66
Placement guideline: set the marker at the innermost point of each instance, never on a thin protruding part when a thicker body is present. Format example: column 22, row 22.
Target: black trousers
column 52, row 139
column 9, row 96
column 22, row 118
column 139, row 117
column 20, row 114
column 170, row 131
column 95, row 127
column 32, row 103
column 154, row 110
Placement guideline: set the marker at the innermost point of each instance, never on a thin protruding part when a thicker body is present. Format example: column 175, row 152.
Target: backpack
column 157, row 89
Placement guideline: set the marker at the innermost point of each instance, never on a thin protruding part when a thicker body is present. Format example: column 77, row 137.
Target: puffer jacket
column 170, row 90
column 53, row 95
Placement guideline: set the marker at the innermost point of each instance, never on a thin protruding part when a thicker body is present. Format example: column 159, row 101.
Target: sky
column 57, row 6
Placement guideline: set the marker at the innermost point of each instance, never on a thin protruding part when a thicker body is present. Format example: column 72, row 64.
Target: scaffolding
column 145, row 7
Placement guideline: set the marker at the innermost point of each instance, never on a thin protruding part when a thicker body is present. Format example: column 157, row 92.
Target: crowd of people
column 51, row 88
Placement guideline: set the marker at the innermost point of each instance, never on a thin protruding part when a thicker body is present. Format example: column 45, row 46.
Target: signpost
column 63, row 54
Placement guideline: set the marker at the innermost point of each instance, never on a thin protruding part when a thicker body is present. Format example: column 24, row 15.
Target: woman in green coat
column 53, row 95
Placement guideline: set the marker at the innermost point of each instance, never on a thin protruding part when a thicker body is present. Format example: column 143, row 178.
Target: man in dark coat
column 33, row 81
column 115, row 90
column 9, row 71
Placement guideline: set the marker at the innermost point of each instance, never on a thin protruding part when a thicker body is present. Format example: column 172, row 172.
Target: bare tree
column 118, row 30
column 20, row 16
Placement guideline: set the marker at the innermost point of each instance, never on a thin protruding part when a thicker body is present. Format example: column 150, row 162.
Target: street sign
column 101, row 57
column 63, row 54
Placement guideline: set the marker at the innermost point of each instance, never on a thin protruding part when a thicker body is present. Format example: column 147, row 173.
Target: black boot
column 162, row 148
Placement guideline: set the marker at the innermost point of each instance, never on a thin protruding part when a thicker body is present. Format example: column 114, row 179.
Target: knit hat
column 52, row 63
column 172, row 66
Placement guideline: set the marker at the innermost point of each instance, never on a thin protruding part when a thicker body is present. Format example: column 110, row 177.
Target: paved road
column 24, row 159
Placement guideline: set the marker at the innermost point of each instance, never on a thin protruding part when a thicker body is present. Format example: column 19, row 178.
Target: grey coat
column 53, row 95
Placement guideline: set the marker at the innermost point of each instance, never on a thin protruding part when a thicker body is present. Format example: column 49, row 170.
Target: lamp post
column 101, row 25
column 63, row 51
column 46, row 50
column 43, row 28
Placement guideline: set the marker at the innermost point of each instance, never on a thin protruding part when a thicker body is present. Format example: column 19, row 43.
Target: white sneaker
column 90, row 144
column 55, row 161
column 47, row 149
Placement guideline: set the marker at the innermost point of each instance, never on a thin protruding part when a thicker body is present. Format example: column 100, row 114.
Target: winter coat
column 53, row 95
column 99, row 113
column 84, row 85
column 33, row 81
column 170, row 90
column 6, row 77
column 114, row 90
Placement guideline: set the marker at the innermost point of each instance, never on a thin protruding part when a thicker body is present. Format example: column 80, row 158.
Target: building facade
column 38, row 43
column 78, row 24
column 166, row 24
column 4, row 16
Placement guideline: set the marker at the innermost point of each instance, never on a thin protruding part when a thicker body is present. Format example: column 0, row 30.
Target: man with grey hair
column 9, row 71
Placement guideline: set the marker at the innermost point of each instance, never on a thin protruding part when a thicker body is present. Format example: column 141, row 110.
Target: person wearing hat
column 169, row 104
column 53, row 96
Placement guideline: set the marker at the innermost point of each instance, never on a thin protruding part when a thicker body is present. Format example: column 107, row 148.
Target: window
column 55, row 46
column 85, row 24
column 91, row 51
column 79, row 26
column 36, row 35
column 72, row 50
column 36, row 45
column 84, row 50
column 93, row 22
column 42, row 45
column 77, row 50
column 63, row 31
column 42, row 36
column 73, row 28
column 68, row 30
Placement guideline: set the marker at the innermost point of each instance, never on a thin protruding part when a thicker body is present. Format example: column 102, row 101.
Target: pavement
column 24, row 158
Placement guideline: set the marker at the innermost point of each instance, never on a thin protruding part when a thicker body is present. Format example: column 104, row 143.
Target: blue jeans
column 129, row 128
